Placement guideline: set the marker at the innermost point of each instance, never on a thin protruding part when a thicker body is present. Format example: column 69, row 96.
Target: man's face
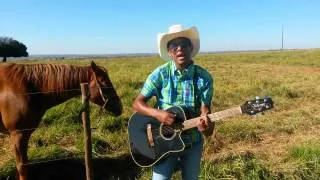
column 180, row 50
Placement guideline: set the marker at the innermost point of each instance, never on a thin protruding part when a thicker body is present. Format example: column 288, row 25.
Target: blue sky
column 116, row 26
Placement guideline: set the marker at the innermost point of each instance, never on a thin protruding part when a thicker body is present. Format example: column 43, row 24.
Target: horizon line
column 154, row 53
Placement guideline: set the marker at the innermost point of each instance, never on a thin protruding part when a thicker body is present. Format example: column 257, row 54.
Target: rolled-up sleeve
column 207, row 91
column 150, row 87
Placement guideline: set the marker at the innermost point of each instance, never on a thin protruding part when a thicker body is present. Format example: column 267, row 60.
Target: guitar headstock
column 257, row 105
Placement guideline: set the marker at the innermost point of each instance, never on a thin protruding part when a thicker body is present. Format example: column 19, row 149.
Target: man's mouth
column 180, row 55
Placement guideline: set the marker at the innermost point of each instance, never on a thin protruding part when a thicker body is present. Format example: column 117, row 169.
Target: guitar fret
column 191, row 123
column 225, row 114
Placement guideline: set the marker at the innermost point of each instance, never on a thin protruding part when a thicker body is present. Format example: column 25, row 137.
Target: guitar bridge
column 149, row 134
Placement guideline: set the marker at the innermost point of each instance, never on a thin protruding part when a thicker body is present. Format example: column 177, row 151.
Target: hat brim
column 163, row 39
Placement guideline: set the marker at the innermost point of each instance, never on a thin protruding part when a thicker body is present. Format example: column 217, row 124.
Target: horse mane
column 48, row 77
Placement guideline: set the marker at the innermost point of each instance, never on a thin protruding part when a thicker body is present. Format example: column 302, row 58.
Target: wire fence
column 66, row 90
column 48, row 92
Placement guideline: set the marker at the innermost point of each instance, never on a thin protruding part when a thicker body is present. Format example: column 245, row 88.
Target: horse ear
column 93, row 66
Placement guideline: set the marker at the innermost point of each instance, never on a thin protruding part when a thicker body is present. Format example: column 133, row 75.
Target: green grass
column 237, row 166
column 279, row 144
column 307, row 156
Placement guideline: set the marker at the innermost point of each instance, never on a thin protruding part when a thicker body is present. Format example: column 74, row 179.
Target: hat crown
column 175, row 28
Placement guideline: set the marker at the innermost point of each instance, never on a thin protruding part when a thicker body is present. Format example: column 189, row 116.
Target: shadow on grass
column 74, row 169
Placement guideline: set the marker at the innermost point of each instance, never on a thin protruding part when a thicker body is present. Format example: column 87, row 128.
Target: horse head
column 102, row 91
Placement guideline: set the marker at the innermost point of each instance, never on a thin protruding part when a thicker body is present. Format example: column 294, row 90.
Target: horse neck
column 59, row 83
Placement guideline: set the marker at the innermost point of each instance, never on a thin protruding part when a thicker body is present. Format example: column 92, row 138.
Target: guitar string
column 168, row 129
column 216, row 116
column 165, row 130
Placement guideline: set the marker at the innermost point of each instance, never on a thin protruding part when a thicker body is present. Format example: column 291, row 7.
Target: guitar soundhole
column 167, row 132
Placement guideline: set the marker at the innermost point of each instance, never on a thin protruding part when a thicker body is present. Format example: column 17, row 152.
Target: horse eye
column 102, row 82
column 101, row 79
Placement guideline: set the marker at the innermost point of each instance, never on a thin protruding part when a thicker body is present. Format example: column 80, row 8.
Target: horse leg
column 2, row 128
column 1, row 124
column 19, row 141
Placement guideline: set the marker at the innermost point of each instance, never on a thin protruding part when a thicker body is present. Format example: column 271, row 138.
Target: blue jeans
column 189, row 160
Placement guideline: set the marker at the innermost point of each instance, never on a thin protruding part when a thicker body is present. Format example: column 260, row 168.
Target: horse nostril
column 118, row 114
column 120, row 110
column 115, row 107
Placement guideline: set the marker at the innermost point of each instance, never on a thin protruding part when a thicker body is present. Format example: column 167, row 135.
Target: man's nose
column 180, row 47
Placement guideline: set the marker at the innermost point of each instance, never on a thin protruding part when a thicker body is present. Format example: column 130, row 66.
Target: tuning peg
column 257, row 99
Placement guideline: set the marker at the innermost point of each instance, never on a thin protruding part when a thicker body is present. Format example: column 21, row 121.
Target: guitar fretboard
column 191, row 123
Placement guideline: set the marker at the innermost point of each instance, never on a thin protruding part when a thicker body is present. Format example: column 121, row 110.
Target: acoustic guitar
column 150, row 141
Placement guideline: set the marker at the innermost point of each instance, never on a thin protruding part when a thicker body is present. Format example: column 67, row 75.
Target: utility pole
column 282, row 38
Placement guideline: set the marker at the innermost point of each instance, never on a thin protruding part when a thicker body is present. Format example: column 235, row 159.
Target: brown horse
column 27, row 91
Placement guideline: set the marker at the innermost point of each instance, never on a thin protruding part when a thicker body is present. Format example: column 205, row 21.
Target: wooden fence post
column 87, row 130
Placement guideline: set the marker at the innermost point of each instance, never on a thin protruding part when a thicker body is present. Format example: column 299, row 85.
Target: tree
column 12, row 48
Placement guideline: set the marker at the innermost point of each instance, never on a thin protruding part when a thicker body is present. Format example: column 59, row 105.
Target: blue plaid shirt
column 188, row 89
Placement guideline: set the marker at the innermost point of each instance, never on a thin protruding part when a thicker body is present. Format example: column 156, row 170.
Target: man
column 179, row 82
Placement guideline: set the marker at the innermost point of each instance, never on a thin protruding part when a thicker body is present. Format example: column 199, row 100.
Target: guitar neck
column 191, row 123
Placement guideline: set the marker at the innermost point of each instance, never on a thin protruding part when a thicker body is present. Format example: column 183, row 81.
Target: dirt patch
column 74, row 169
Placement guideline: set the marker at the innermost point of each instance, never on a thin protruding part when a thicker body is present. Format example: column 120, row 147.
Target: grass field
column 283, row 143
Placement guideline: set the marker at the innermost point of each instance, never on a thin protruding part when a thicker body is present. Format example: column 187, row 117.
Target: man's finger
column 207, row 122
column 172, row 115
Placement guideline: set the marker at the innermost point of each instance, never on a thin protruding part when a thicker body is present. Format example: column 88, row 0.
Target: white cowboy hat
column 176, row 31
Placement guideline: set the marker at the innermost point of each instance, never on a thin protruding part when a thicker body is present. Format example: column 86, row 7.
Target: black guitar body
column 165, row 143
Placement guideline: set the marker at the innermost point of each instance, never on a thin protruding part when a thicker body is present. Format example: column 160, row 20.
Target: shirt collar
column 182, row 73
